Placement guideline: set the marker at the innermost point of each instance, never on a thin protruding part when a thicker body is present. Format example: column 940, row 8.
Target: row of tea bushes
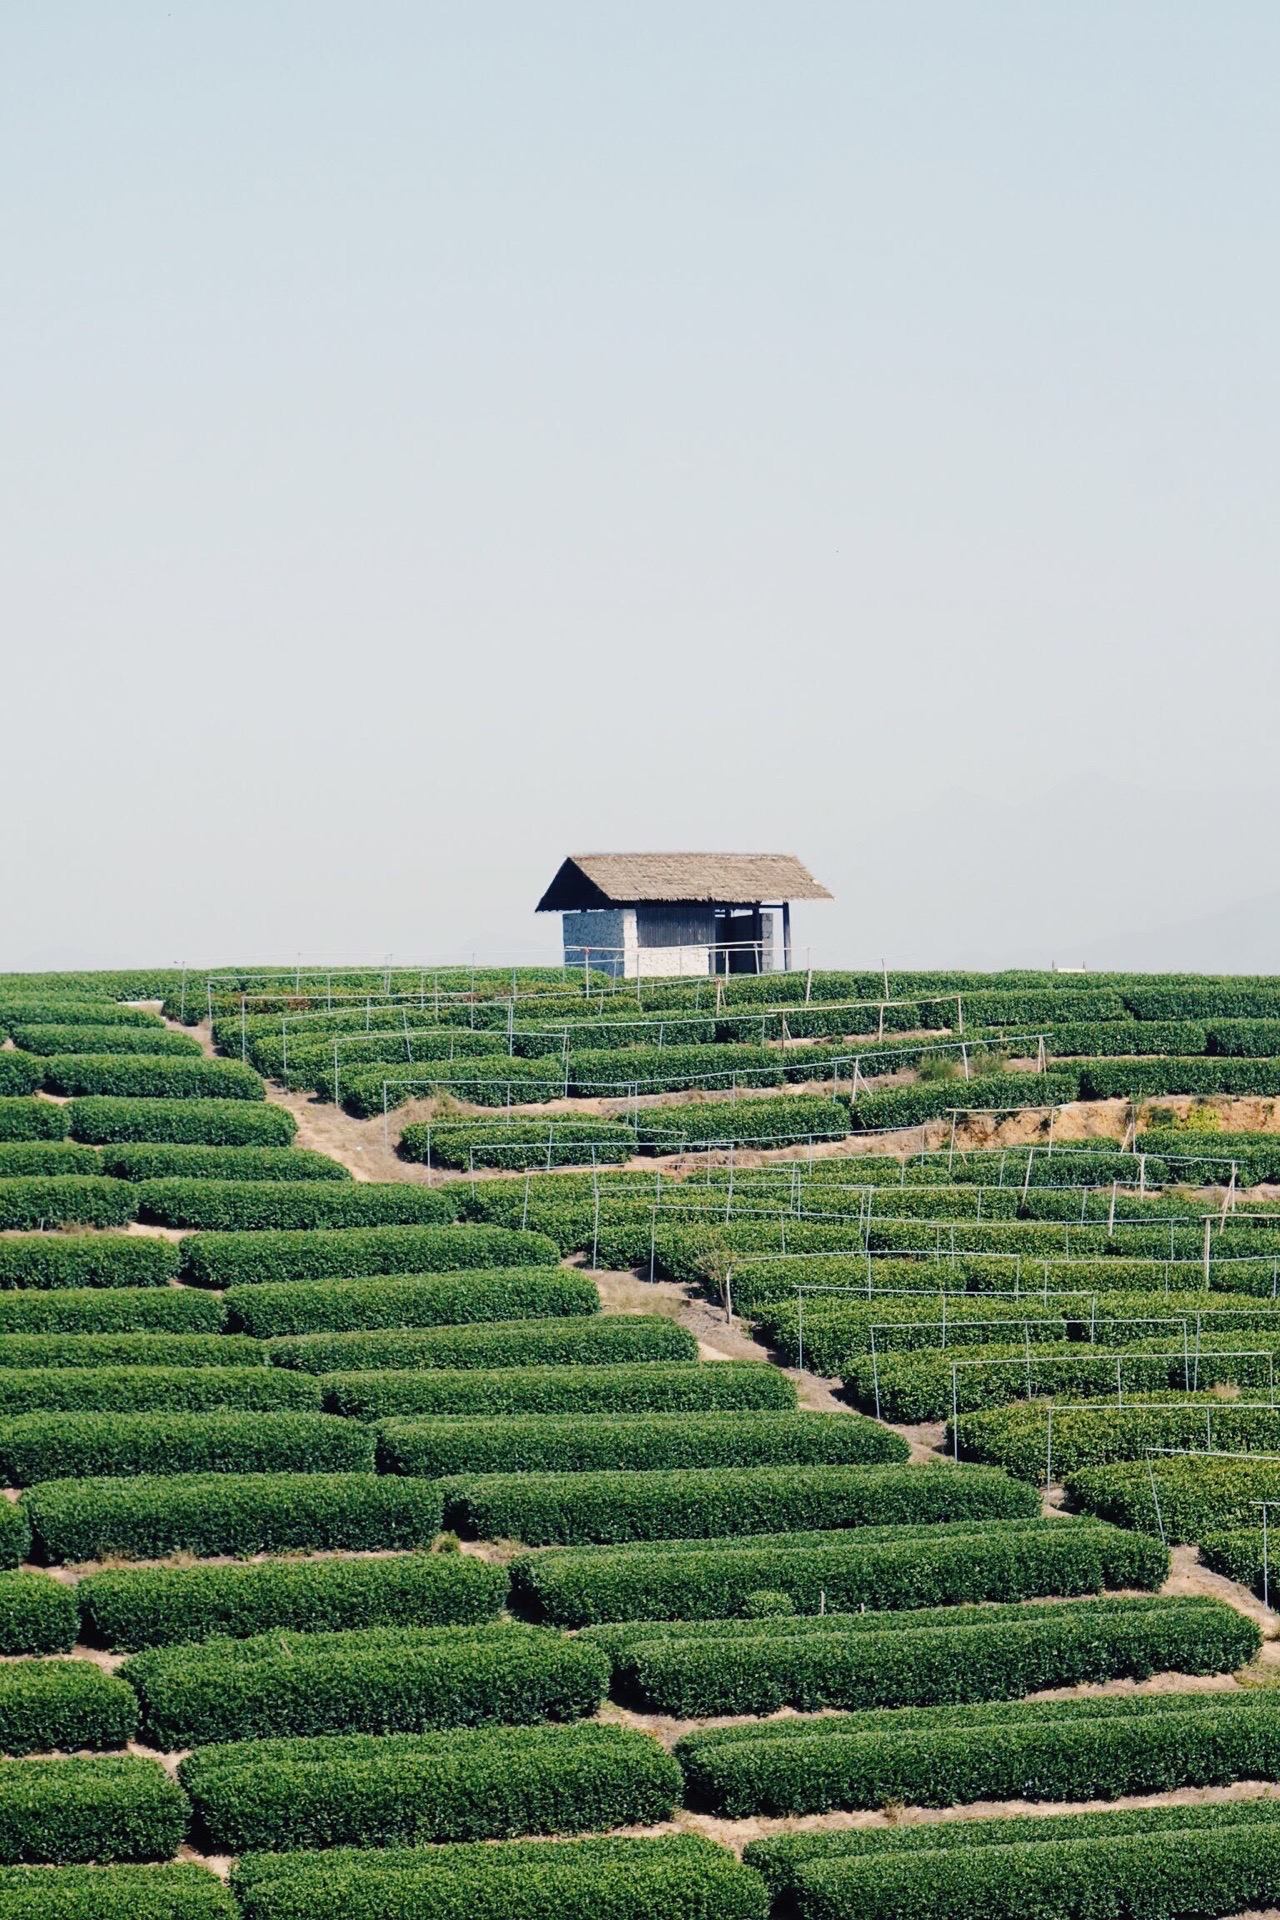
column 348, row 1306
column 197, row 1385
column 654, row 1385
column 237, row 1259
column 584, row 1340
column 932, row 1656
column 66, row 1448
column 1034, row 1443
column 105, row 1810
column 1179, row 1499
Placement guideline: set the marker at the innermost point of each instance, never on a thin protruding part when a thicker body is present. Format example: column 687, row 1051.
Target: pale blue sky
column 438, row 438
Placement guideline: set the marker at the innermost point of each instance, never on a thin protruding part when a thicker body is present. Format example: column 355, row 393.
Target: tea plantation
column 736, row 1402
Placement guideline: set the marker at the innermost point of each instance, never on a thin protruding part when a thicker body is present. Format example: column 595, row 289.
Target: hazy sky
column 439, row 438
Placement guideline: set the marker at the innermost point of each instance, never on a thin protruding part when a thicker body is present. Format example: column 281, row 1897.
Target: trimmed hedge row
column 492, row 1080
column 114, row 1893
column 71, row 1201
column 567, row 1509
column 1192, row 1496
column 150, row 1517
column 947, row 1756
column 912, row 1387
column 1129, row 1079
column 909, row 1106
column 495, row 1391
column 583, row 1340
column 882, row 1568
column 255, row 1206
column 32, row 1120
column 46, row 1159
column 64, row 1446
column 152, row 1076
column 350, row 1306
column 572, row 1443
column 20, row 1074
column 738, row 1122
column 932, row 1657
column 680, row 1876
column 375, row 1680
column 38, row 1319
column 87, row 1260
column 236, row 1259
column 52, row 1011
column 46, row 1705
column 131, row 1608
column 1238, row 1553
column 111, row 1121
column 671, row 1069
column 65, row 1811
column 80, row 1037
column 1204, row 1868
column 525, row 1145
column 169, row 1162
column 1019, row 1439
column 408, row 1789
column 160, row 1390
column 37, row 1614
column 15, row 1534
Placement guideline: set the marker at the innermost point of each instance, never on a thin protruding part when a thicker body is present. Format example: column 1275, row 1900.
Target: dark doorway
column 738, row 940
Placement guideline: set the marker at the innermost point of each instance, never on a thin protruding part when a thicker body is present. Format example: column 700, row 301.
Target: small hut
column 648, row 915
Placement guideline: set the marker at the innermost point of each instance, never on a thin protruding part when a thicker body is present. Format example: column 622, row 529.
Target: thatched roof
column 622, row 879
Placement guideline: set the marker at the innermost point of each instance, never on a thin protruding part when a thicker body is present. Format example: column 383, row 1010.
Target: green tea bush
column 37, row 1614
column 64, row 1811
column 47, row 1159
column 678, row 1876
column 15, row 1534
column 65, row 1202
column 1115, row 1038
column 911, row 1387
column 496, row 1391
column 908, row 1106
column 32, row 1120
column 106, row 1121
column 572, row 1443
column 525, row 1145
column 376, row 1680
column 1181, row 1498
column 234, row 1259
column 671, row 1069
column 566, row 1509
column 410, row 1789
column 44, row 1011
column 183, row 1892
column 87, row 1259
column 99, row 1041
column 239, row 1206
column 350, row 1306
column 166, row 1162
column 1137, row 1079
column 135, row 1607
column 739, row 1122
column 948, row 1756
column 882, row 1568
column 159, row 1390
column 1238, row 1553
column 496, row 1080
column 854, row 1661
column 20, row 1074
column 1020, row 1439
column 582, row 1340
column 63, row 1704
column 64, row 1446
column 56, row 1328
column 153, row 1076
column 149, row 1517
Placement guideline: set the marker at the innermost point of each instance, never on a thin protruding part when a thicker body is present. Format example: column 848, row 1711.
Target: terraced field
column 546, row 1447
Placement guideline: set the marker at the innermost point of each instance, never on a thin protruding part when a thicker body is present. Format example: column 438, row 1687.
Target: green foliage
column 495, row 1080
column 409, row 1789
column 1238, row 1553
column 158, row 1076
column 918, row 1386
column 563, row 1141
column 1192, row 1496
column 114, row 1038
column 577, row 1389
column 80, row 1312
column 678, row 1876
column 87, row 1260
column 150, row 1517
column 37, row 1614
column 1138, row 1079
column 932, row 1657
column 20, row 1074
column 946, row 1756
column 65, row 1811
column 908, row 1106
column 236, row 1259
column 553, row 1509
column 15, row 1534
column 46, row 1159
column 64, row 1446
column 573, row 1443
column 739, row 1122
column 63, row 1704
column 593, row 1070
column 882, row 1568
column 238, row 1206
column 107, row 1121
column 178, row 1162
column 131, row 1388
column 585, row 1341
column 1018, row 1438
column 348, row 1306
column 377, row 1680
column 135, row 1607
column 32, row 1120
column 44, row 1011
column 65, row 1202
column 183, row 1892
